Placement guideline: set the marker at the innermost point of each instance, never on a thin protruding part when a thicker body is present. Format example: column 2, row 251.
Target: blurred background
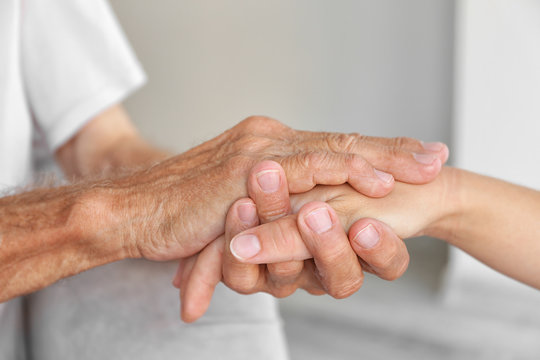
column 465, row 73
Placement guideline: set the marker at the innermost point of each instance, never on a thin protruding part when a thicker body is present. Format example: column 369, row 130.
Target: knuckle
column 285, row 239
column 394, row 275
column 385, row 259
column 249, row 143
column 342, row 142
column 241, row 283
column 270, row 213
column 358, row 163
column 347, row 288
column 253, row 121
column 259, row 123
column 283, row 291
column 238, row 164
column 286, row 270
column 394, row 158
column 299, row 176
column 405, row 142
column 315, row 291
column 332, row 252
column 313, row 160
column 394, row 152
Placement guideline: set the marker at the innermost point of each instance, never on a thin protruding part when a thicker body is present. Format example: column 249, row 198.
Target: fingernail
column 245, row 246
column 319, row 220
column 433, row 146
column 268, row 180
column 425, row 159
column 385, row 177
column 246, row 212
column 367, row 238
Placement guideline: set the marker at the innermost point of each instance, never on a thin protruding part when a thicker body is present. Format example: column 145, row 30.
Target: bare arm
column 47, row 234
column 109, row 144
column 498, row 223
column 177, row 206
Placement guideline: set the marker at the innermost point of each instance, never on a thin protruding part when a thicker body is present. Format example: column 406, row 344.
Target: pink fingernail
column 247, row 212
column 385, row 177
column 433, row 146
column 319, row 220
column 425, row 159
column 245, row 246
column 268, row 180
column 367, row 238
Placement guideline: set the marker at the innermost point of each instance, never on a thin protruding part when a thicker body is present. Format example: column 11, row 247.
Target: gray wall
column 381, row 67
column 376, row 67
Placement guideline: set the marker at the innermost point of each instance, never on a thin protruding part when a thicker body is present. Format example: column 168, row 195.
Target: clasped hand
column 301, row 242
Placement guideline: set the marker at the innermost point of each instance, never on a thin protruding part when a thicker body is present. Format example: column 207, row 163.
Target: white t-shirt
column 61, row 63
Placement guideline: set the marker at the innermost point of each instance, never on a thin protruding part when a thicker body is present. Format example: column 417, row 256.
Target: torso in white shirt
column 15, row 118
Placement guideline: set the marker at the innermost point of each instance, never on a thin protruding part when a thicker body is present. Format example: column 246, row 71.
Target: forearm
column 126, row 156
column 108, row 145
column 49, row 234
column 499, row 224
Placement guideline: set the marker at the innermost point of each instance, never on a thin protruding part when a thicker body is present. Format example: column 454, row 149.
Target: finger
column 306, row 279
column 178, row 276
column 415, row 146
column 202, row 281
column 405, row 166
column 187, row 267
column 411, row 145
column 337, row 265
column 267, row 186
column 307, row 169
column 408, row 160
column 376, row 244
column 359, row 144
column 274, row 242
column 243, row 278
column 309, row 281
column 284, row 273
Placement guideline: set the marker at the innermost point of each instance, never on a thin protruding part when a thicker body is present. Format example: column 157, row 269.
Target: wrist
column 49, row 234
column 449, row 205
column 99, row 219
column 139, row 215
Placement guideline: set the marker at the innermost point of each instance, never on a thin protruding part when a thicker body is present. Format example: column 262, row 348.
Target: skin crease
column 130, row 202
column 475, row 213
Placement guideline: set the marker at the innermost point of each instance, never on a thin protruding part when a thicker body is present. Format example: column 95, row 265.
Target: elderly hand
column 287, row 245
column 179, row 206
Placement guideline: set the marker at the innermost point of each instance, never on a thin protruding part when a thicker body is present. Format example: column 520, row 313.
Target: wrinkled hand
column 332, row 266
column 177, row 207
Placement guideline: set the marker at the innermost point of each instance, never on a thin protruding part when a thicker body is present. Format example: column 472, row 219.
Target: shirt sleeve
column 76, row 62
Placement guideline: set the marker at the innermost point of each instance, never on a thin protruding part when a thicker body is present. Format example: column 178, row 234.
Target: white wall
column 497, row 126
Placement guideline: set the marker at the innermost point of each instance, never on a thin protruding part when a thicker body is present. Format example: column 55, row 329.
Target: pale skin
column 492, row 220
column 131, row 200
